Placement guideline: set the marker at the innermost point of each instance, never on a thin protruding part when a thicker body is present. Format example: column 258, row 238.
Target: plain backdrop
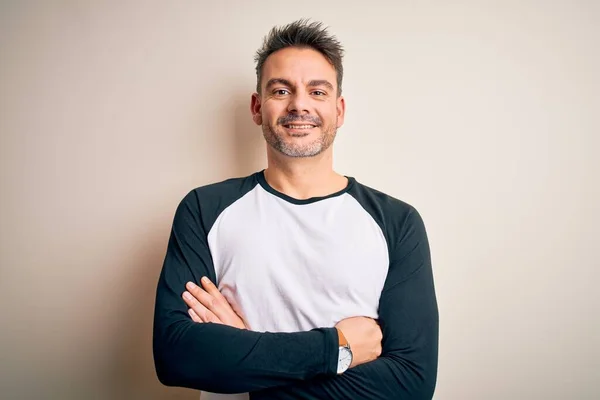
column 484, row 115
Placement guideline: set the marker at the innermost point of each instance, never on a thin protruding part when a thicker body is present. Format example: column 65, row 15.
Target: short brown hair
column 302, row 34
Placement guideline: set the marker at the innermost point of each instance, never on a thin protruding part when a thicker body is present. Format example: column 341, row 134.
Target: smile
column 292, row 126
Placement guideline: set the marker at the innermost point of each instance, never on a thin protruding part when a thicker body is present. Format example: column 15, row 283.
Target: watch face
column 344, row 359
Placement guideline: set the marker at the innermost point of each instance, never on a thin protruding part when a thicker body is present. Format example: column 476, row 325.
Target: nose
column 298, row 104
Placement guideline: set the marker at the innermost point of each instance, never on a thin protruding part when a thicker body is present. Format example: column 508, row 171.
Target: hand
column 207, row 304
column 364, row 337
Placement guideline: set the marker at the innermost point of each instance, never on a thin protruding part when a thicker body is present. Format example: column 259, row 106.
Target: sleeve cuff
column 331, row 351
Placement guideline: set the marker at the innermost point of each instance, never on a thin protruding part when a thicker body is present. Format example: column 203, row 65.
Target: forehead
column 298, row 65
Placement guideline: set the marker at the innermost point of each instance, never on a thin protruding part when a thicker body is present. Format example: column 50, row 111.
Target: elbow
column 416, row 379
column 186, row 358
column 172, row 361
column 172, row 373
column 422, row 387
column 166, row 379
column 427, row 389
column 173, row 368
column 425, row 383
column 424, row 380
column 167, row 373
column 178, row 367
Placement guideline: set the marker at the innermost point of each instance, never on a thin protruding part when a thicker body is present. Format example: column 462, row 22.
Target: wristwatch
column 344, row 354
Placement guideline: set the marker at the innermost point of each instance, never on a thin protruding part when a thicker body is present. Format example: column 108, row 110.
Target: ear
column 255, row 109
column 341, row 110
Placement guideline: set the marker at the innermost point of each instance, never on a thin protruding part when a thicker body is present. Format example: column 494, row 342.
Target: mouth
column 299, row 127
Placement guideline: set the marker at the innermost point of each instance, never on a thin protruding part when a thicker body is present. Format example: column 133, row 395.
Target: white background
column 483, row 115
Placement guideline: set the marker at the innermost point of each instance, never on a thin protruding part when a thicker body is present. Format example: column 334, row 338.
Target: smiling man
column 323, row 287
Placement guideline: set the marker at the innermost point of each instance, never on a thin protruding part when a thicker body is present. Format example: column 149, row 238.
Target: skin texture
column 298, row 88
column 207, row 304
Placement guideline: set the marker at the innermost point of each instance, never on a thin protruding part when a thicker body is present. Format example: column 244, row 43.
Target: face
column 298, row 107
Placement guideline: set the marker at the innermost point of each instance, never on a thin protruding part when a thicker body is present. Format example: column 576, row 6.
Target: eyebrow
column 313, row 83
column 321, row 82
column 278, row 81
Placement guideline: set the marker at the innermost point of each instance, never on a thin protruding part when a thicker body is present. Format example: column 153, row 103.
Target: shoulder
column 228, row 187
column 232, row 188
column 383, row 207
column 208, row 201
column 396, row 217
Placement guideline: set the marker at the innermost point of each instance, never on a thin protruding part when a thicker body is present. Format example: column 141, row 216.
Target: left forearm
column 386, row 378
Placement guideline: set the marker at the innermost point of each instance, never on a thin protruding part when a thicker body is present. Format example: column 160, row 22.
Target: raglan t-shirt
column 293, row 269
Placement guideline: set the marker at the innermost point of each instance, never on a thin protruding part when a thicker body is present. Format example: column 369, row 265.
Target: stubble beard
column 275, row 137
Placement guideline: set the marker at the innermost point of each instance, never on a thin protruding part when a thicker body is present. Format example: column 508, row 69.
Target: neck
column 303, row 178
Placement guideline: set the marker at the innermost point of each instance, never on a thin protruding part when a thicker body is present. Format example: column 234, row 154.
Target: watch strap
column 341, row 338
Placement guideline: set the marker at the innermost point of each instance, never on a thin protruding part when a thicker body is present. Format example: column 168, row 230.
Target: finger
column 225, row 311
column 202, row 296
column 214, row 304
column 222, row 309
column 194, row 316
column 212, row 289
column 202, row 312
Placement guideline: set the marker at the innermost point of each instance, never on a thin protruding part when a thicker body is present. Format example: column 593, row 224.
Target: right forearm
column 221, row 359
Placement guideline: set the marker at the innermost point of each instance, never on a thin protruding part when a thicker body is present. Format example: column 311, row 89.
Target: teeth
column 299, row 126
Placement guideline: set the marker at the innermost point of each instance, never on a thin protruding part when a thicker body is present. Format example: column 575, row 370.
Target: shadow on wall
column 132, row 375
column 248, row 144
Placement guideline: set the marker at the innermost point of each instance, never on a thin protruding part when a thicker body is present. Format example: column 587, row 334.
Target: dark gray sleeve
column 218, row 358
column 407, row 368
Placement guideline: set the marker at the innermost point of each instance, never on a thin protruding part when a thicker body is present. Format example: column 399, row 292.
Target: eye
column 319, row 93
column 281, row 92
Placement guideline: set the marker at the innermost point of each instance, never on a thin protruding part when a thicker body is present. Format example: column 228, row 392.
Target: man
column 324, row 287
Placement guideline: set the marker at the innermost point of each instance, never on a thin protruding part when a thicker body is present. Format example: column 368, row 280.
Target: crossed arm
column 220, row 358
